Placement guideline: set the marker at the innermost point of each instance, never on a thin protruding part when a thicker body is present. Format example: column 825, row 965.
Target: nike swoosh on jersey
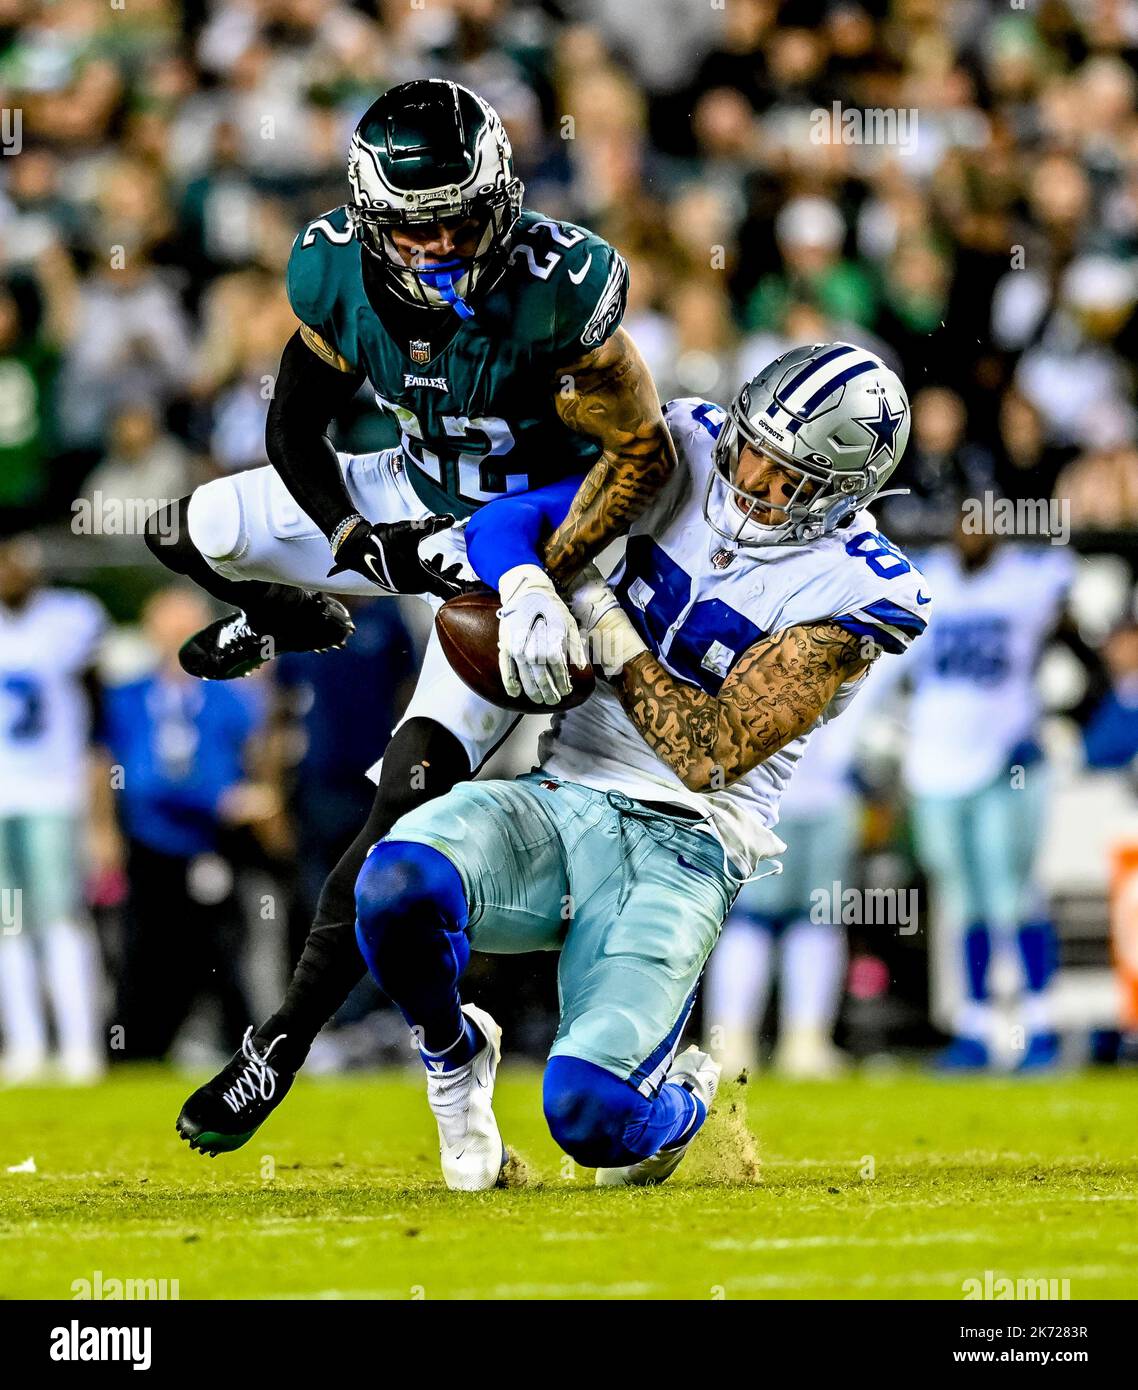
column 583, row 271
column 924, row 598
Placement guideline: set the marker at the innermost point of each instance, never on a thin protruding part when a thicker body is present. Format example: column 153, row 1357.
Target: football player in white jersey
column 977, row 777
column 753, row 596
column 48, row 639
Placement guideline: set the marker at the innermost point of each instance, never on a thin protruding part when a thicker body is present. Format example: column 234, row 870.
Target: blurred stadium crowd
column 158, row 161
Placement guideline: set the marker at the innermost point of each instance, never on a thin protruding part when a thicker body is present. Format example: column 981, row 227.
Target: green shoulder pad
column 591, row 298
column 571, row 281
column 323, row 255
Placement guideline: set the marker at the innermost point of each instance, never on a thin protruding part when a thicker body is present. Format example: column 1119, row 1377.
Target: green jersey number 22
column 493, row 428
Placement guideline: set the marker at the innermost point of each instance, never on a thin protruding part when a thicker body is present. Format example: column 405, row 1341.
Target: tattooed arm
column 775, row 692
column 613, row 400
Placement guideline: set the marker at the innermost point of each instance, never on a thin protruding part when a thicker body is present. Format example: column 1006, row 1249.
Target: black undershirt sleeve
column 307, row 396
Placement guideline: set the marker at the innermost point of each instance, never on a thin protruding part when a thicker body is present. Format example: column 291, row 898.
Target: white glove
column 609, row 634
column 537, row 637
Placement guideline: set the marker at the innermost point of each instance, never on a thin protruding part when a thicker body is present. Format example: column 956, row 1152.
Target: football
column 468, row 631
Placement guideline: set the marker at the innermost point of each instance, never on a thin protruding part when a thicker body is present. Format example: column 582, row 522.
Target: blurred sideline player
column 48, row 642
column 776, row 916
column 975, row 771
column 753, row 596
column 492, row 335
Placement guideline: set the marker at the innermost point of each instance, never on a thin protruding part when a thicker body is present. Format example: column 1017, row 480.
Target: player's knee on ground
column 598, row 1119
column 215, row 520
column 407, row 895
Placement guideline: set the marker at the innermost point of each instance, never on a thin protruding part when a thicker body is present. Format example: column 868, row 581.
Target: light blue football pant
column 979, row 850
column 39, row 870
column 45, row 939
column 632, row 900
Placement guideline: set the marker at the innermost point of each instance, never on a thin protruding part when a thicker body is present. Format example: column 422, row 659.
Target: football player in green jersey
column 493, row 336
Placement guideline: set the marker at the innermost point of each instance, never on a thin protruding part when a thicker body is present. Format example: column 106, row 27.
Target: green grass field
column 895, row 1186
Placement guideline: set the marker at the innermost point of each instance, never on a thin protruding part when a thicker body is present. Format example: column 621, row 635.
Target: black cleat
column 228, row 1110
column 233, row 647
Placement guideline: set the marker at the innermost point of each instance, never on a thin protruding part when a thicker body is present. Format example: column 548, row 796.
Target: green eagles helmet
column 426, row 151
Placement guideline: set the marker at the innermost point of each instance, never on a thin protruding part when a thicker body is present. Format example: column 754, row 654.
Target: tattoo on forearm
column 325, row 351
column 610, row 397
column 776, row 692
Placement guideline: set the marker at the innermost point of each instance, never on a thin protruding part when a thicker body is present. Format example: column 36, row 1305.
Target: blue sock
column 1038, row 948
column 977, row 957
column 469, row 1041
column 411, row 927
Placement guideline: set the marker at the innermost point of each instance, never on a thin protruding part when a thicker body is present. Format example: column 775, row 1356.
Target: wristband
column 344, row 530
column 614, row 642
column 521, row 579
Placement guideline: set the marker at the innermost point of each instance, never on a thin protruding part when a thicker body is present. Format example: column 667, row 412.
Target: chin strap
column 442, row 277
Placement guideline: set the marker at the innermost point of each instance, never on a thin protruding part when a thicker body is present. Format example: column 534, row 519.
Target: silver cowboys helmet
column 835, row 417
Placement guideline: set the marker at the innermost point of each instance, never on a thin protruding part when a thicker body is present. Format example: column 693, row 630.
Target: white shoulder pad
column 878, row 591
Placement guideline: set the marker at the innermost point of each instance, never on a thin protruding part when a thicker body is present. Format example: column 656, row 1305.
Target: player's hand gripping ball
column 468, row 633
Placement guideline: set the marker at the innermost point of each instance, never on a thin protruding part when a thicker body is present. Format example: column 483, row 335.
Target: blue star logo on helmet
column 883, row 429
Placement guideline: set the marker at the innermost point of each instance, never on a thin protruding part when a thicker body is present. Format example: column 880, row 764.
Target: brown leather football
column 468, row 633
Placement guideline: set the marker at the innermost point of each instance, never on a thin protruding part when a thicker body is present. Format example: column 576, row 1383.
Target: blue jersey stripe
column 878, row 634
column 896, row 616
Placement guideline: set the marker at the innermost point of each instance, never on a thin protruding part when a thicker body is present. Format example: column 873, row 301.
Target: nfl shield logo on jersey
column 420, row 350
column 722, row 558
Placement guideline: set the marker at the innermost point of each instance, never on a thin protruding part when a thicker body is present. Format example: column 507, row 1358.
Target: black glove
column 387, row 553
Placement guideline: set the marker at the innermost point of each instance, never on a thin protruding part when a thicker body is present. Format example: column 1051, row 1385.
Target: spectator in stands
column 942, row 466
column 810, row 233
column 1111, row 734
column 142, row 463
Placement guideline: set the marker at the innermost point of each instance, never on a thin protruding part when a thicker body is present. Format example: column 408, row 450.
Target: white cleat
column 695, row 1071
column 808, row 1054
column 81, row 1067
column 25, row 1068
column 461, row 1100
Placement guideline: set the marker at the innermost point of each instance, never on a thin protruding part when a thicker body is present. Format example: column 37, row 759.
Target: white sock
column 1037, row 1013
column 738, row 983
column 813, row 973
column 739, row 976
column 72, row 975
column 976, row 1019
column 21, row 1005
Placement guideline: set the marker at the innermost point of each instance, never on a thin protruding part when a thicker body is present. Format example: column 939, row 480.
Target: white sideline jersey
column 44, row 720
column 700, row 602
column 975, row 708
